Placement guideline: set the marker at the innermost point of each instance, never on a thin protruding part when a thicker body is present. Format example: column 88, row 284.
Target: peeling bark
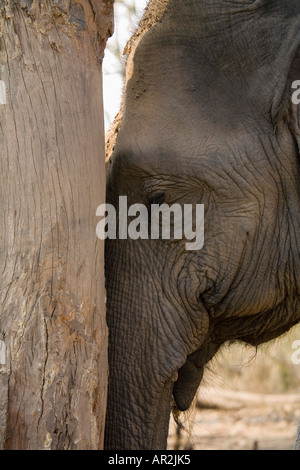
column 53, row 335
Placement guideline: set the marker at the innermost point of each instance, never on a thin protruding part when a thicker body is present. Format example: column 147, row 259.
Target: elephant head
column 208, row 119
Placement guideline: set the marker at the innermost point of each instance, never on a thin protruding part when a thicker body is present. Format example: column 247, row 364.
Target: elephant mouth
column 185, row 388
column 190, row 375
column 254, row 330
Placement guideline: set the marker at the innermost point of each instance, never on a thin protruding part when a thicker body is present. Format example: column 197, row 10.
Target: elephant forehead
column 226, row 33
column 178, row 132
column 171, row 79
column 173, row 109
column 194, row 94
column 214, row 60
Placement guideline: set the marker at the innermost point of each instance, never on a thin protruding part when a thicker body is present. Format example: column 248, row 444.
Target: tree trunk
column 53, row 336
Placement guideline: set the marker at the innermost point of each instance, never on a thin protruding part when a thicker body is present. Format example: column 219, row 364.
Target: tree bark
column 53, row 335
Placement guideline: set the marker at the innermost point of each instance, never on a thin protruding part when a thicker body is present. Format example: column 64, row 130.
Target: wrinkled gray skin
column 208, row 119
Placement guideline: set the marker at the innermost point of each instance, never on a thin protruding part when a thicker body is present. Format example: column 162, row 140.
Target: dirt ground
column 233, row 420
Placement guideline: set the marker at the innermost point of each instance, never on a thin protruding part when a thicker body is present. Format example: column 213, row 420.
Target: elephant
column 208, row 117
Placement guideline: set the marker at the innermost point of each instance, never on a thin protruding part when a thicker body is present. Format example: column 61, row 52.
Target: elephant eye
column 157, row 198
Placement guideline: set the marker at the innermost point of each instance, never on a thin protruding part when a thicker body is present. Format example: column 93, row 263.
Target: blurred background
column 127, row 15
column 248, row 399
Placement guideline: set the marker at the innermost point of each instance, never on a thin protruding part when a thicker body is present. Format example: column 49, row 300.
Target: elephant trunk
column 139, row 393
column 132, row 428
